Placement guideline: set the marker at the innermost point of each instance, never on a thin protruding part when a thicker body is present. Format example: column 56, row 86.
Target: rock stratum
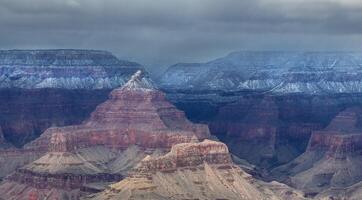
column 44, row 88
column 134, row 122
column 193, row 171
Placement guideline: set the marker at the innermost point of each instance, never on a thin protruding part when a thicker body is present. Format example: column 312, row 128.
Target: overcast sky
column 163, row 32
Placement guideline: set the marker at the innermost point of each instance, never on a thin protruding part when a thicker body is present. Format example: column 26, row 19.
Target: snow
column 67, row 69
column 276, row 72
column 139, row 81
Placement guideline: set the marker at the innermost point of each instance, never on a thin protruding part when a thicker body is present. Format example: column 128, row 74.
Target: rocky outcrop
column 194, row 171
column 136, row 121
column 44, row 88
column 332, row 158
column 187, row 155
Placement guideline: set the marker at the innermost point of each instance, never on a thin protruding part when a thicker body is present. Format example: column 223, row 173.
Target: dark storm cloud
column 162, row 32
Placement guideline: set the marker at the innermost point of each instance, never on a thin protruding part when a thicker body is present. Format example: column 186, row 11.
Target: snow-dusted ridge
column 140, row 81
column 275, row 72
column 63, row 68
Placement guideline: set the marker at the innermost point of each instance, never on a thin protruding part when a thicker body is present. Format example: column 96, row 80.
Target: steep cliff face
column 136, row 121
column 332, row 158
column 25, row 114
column 44, row 88
column 193, row 171
column 251, row 132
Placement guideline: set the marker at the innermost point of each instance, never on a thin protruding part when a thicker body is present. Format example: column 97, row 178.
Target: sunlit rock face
column 44, row 88
column 332, row 158
column 200, row 170
column 134, row 122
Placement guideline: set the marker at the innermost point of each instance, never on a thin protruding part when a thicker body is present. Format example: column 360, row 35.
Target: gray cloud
column 158, row 33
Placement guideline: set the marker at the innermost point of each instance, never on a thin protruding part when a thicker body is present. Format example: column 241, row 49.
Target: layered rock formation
column 193, row 171
column 44, row 88
column 332, row 158
column 135, row 114
column 60, row 173
column 307, row 89
column 277, row 72
column 136, row 121
column 66, row 69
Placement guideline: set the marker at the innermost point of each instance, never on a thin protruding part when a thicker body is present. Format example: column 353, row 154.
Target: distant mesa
column 275, row 72
column 64, row 68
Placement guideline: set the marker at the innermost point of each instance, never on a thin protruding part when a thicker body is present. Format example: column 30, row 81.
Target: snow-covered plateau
column 273, row 72
column 66, row 69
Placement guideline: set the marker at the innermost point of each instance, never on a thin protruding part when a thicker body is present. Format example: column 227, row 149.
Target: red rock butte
column 135, row 114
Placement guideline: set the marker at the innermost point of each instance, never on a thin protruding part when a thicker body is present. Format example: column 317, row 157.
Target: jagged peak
column 139, row 81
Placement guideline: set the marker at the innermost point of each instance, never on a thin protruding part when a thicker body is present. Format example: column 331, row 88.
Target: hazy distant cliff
column 275, row 72
column 71, row 69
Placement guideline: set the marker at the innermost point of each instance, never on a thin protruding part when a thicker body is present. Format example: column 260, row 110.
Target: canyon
column 84, row 124
column 332, row 158
column 134, row 122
